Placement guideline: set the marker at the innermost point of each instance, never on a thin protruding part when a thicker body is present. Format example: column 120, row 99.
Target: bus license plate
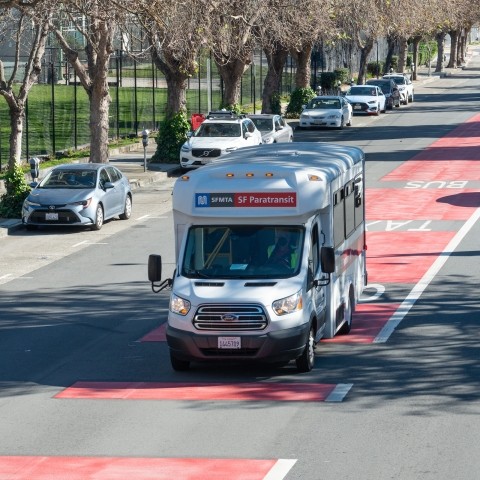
column 51, row 216
column 229, row 343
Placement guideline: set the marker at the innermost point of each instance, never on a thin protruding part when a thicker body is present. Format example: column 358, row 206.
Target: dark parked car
column 390, row 90
column 78, row 194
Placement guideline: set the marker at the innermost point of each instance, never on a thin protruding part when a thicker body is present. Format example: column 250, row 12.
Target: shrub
column 17, row 191
column 342, row 75
column 275, row 103
column 235, row 108
column 172, row 134
column 298, row 98
column 374, row 68
column 328, row 81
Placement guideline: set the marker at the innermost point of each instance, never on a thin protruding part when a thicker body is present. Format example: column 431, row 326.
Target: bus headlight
column 290, row 304
column 179, row 305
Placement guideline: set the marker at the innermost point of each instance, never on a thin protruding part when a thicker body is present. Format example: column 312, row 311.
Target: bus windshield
column 243, row 251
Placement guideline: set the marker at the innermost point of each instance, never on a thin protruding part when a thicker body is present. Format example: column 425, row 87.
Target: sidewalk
column 131, row 163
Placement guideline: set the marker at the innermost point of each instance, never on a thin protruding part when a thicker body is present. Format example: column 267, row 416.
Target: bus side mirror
column 155, row 274
column 327, row 258
column 154, row 268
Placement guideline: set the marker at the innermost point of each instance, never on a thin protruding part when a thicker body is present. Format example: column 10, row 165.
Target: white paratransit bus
column 270, row 254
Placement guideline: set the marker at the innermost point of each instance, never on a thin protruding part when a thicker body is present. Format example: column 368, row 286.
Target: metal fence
column 57, row 112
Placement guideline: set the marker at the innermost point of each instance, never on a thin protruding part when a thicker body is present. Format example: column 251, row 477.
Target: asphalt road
column 75, row 306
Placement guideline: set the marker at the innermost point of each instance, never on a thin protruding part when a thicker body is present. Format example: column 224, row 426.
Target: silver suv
column 405, row 86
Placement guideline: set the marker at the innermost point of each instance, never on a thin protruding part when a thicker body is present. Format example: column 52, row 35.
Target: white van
column 270, row 254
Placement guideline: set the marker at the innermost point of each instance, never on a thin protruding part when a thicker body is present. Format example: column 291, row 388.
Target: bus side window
column 313, row 255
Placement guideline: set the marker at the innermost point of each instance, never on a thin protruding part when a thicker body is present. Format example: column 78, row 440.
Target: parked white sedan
column 326, row 111
column 367, row 99
column 273, row 127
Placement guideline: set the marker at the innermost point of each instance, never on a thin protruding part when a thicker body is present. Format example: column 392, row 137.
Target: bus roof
column 276, row 180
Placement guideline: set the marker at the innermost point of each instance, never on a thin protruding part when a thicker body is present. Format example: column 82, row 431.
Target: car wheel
column 179, row 365
column 377, row 113
column 127, row 211
column 411, row 98
column 342, row 123
column 98, row 218
column 306, row 360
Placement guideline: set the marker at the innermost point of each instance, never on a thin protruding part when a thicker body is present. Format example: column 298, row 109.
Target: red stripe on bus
column 420, row 204
column 260, row 391
column 403, row 257
column 116, row 468
column 368, row 320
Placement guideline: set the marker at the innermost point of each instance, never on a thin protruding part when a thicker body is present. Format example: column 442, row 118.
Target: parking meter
column 145, row 137
column 145, row 133
column 34, row 168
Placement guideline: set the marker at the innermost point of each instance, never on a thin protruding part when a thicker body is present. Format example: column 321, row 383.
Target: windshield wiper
column 198, row 273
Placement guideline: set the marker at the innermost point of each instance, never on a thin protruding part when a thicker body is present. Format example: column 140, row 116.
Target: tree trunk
column 402, row 55
column 17, row 119
column 415, row 43
column 440, row 37
column 453, row 49
column 176, row 75
column 231, row 74
column 364, row 53
column 276, row 62
column 391, row 41
column 99, row 109
column 303, row 73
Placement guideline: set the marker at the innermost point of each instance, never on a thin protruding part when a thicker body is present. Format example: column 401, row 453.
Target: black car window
column 104, row 178
column 114, row 174
column 250, row 126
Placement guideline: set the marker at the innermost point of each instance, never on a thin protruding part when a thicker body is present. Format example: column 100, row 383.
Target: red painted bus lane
column 119, row 468
column 255, row 391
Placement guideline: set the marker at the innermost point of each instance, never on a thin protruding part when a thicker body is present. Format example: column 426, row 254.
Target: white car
column 273, row 127
column 367, row 99
column 221, row 133
column 326, row 111
column 405, row 86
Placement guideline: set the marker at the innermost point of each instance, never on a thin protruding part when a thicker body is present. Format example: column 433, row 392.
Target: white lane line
column 420, row 287
column 280, row 469
column 81, row 243
column 8, row 275
column 143, row 218
column 339, row 392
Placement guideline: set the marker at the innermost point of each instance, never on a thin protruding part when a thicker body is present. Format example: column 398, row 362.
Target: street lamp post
column 378, row 66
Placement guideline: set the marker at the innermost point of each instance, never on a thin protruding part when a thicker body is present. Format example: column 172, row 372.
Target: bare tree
column 232, row 31
column 175, row 39
column 28, row 36
column 97, row 21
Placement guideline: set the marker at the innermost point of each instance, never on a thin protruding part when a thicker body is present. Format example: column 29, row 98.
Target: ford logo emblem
column 229, row 318
column 51, row 207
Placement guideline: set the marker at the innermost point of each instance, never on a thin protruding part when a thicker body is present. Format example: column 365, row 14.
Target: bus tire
column 179, row 365
column 347, row 326
column 306, row 360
